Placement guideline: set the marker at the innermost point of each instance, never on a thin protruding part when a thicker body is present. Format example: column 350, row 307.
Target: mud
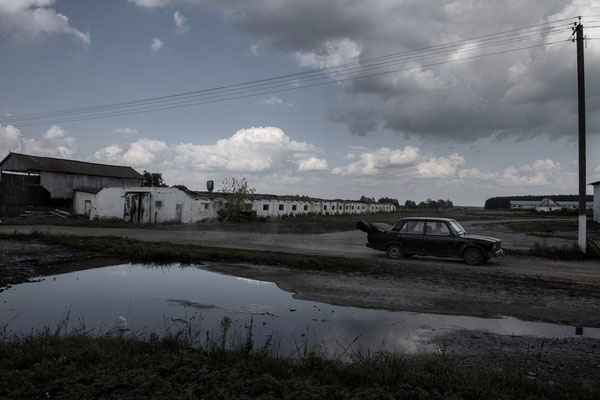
column 570, row 360
column 22, row 261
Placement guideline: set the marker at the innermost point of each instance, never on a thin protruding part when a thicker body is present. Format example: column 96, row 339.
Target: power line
column 300, row 80
column 110, row 115
column 332, row 71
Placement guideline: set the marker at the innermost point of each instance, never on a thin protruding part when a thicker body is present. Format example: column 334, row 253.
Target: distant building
column 596, row 186
column 27, row 180
column 163, row 204
column 547, row 205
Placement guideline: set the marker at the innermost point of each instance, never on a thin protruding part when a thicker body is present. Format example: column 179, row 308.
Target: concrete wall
column 170, row 204
column 597, row 202
column 79, row 201
column 61, row 185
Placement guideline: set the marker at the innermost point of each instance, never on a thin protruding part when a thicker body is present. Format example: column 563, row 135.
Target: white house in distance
column 164, row 204
column 547, row 205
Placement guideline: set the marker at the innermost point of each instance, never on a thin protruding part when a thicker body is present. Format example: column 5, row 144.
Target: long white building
column 158, row 204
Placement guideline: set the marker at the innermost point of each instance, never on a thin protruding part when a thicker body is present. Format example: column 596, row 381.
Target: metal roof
column 27, row 163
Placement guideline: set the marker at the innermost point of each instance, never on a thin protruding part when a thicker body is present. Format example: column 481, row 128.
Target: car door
column 410, row 236
column 439, row 240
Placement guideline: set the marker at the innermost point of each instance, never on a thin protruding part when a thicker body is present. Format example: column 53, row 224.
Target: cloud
column 53, row 143
column 112, row 154
column 275, row 101
column 55, row 132
column 181, row 27
column 374, row 162
column 441, row 167
column 359, row 120
column 156, row 45
column 34, row 20
column 514, row 95
column 312, row 164
column 125, row 131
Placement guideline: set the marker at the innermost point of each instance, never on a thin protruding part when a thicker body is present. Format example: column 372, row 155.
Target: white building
column 163, row 204
column 547, row 205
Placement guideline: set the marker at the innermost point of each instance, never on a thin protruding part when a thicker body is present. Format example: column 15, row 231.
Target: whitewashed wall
column 164, row 203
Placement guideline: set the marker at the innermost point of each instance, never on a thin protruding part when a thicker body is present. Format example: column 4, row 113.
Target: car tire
column 394, row 251
column 473, row 256
column 486, row 259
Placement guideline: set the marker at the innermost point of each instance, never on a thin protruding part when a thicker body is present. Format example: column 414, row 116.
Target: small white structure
column 163, row 204
column 548, row 205
column 596, row 186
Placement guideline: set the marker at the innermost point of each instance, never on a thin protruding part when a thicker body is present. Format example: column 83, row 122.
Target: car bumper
column 496, row 253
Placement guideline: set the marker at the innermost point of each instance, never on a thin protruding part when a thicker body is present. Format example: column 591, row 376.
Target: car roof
column 428, row 219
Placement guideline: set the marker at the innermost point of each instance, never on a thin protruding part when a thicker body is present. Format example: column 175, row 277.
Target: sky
column 387, row 98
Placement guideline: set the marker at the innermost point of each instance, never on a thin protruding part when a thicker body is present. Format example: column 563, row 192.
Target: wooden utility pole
column 582, row 161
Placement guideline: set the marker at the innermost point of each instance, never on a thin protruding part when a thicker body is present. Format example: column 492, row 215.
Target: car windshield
column 456, row 228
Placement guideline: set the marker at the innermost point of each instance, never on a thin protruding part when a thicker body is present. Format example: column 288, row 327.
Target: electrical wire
column 298, row 80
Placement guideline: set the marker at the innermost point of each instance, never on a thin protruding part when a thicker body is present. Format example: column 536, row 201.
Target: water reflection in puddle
column 146, row 298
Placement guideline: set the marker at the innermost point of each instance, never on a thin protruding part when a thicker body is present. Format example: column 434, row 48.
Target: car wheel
column 486, row 259
column 394, row 251
column 473, row 256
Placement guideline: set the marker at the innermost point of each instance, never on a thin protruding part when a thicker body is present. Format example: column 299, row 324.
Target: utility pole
column 582, row 161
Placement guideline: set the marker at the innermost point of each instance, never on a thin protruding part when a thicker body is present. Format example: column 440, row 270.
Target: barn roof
column 27, row 163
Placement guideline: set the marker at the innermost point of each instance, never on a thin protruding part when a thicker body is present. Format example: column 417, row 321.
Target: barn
column 27, row 180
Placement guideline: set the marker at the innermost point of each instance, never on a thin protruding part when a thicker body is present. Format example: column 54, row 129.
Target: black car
column 424, row 236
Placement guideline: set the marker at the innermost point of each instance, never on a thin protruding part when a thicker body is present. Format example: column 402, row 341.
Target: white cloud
column 441, row 167
column 312, row 164
column 111, row 154
column 274, row 101
column 55, row 132
column 181, row 27
column 330, row 53
column 34, row 20
column 125, row 131
column 375, row 162
column 156, row 45
column 144, row 152
column 53, row 143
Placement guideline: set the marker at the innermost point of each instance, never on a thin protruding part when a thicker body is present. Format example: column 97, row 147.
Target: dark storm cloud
column 520, row 94
column 359, row 120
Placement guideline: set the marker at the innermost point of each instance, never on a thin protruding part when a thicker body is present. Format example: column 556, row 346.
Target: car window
column 437, row 229
column 413, row 227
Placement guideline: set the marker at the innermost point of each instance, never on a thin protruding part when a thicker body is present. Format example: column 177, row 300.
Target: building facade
column 27, row 180
column 596, row 186
column 163, row 204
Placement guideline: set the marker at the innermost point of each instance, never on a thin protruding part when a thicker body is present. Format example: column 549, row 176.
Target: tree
column 152, row 179
column 388, row 200
column 410, row 204
column 238, row 193
column 183, row 188
column 366, row 199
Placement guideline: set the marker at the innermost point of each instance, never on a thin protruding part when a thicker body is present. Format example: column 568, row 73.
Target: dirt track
column 524, row 287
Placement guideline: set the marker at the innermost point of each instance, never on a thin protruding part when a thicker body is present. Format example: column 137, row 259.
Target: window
column 437, row 229
column 294, row 207
column 333, row 208
column 305, row 208
column 265, row 207
column 281, row 207
column 413, row 227
column 206, row 206
column 324, row 208
column 352, row 208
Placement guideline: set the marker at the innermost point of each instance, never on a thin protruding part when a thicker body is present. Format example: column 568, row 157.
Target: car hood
column 482, row 238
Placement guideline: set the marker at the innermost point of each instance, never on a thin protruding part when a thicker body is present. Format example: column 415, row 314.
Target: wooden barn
column 33, row 181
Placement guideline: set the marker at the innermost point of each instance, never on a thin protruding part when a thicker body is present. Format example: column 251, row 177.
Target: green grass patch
column 79, row 366
column 565, row 252
column 551, row 227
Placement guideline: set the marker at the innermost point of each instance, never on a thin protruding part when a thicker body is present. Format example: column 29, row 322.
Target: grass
column 309, row 224
column 78, row 365
column 166, row 252
column 565, row 252
column 551, row 227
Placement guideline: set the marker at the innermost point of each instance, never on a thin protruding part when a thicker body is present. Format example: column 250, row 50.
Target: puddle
column 147, row 298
